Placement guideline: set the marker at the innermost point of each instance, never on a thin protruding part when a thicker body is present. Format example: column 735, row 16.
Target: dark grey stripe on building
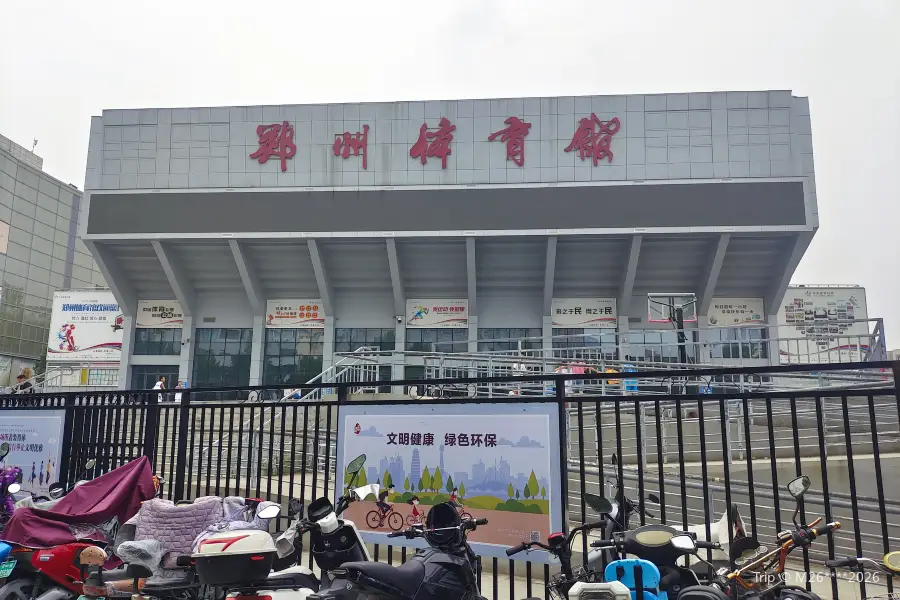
column 73, row 235
column 650, row 205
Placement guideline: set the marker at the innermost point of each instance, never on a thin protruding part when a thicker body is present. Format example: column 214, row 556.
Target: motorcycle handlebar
column 837, row 563
column 826, row 529
column 701, row 545
column 603, row 544
column 516, row 549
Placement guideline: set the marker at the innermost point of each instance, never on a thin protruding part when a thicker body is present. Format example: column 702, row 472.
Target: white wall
column 229, row 311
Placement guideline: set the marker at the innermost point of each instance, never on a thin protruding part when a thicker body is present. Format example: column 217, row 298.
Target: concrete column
column 547, row 337
column 398, row 359
column 772, row 334
column 473, row 334
column 257, row 350
column 186, row 361
column 624, row 328
column 706, row 339
column 127, row 348
column 328, row 346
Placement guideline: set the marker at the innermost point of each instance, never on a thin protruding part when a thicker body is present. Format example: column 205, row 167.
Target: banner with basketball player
column 86, row 325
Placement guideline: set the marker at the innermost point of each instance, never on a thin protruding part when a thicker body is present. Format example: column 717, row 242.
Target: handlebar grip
column 603, row 544
column 828, row 528
column 395, row 534
column 516, row 549
column 837, row 563
column 708, row 545
column 648, row 514
column 481, row 521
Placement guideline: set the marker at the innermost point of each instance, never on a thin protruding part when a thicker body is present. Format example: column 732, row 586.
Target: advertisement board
column 584, row 312
column 736, row 311
column 295, row 314
column 823, row 324
column 438, row 313
column 86, row 325
column 499, row 461
column 159, row 314
column 35, row 445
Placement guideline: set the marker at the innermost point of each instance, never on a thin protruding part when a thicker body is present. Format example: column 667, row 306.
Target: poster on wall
column 35, row 446
column 439, row 313
column 823, row 324
column 498, row 461
column 86, row 325
column 736, row 311
column 584, row 312
column 295, row 314
column 159, row 314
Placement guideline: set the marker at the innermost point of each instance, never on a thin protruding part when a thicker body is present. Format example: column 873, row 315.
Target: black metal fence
column 701, row 454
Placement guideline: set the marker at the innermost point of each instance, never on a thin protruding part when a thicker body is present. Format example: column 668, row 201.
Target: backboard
column 661, row 307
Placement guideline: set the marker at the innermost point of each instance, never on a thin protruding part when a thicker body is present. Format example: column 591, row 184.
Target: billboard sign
column 159, row 314
column 439, row 313
column 295, row 314
column 584, row 312
column 823, row 324
column 736, row 311
column 86, row 325
column 35, row 445
column 499, row 461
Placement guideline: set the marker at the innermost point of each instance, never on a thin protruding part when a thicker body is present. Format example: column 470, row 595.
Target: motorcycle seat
column 163, row 588
column 297, row 576
column 406, row 578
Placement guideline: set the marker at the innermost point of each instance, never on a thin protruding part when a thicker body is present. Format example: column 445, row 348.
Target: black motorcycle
column 447, row 570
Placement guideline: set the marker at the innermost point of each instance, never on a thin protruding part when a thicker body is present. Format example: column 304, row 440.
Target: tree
column 462, row 490
column 533, row 484
column 386, row 479
column 526, row 492
column 425, row 482
column 510, row 491
column 517, row 494
column 543, row 493
column 360, row 479
column 437, row 480
column 406, row 484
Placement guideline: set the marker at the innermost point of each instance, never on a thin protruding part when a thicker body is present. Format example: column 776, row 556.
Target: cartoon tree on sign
column 462, row 490
column 510, row 491
column 406, row 484
column 425, row 482
column 533, row 484
column 360, row 479
column 450, row 485
column 517, row 494
column 386, row 480
column 526, row 492
column 543, row 493
column 437, row 480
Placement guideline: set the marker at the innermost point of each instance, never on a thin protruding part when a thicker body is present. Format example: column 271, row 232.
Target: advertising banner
column 497, row 461
column 584, row 312
column 159, row 314
column 35, row 445
column 295, row 314
column 823, row 324
column 86, row 325
column 736, row 311
column 437, row 313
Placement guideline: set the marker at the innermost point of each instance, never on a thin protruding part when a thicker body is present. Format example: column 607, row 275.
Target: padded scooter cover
column 702, row 592
column 650, row 576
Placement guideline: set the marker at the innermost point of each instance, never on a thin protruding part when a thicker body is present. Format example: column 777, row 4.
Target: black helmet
column 439, row 517
column 796, row 593
column 702, row 592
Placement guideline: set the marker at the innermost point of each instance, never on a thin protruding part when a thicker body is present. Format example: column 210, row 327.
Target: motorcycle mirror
column 56, row 490
column 13, row 488
column 295, row 509
column 891, row 562
column 4, row 450
column 684, row 543
column 269, row 512
column 653, row 498
column 90, row 464
column 598, row 504
column 356, row 464
column 799, row 486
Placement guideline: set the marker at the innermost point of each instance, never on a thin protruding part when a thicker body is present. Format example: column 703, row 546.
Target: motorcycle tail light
column 97, row 591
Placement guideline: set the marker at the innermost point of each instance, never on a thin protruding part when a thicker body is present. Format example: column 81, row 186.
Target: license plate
column 7, row 568
column 89, row 598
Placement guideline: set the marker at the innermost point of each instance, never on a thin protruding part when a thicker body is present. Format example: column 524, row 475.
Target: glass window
column 586, row 343
column 292, row 356
column 144, row 377
column 157, row 342
column 740, row 342
column 437, row 340
column 221, row 358
column 350, row 340
column 502, row 339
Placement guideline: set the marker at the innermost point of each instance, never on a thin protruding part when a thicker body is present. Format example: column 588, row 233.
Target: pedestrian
column 160, row 385
column 180, row 386
column 41, row 474
column 33, row 473
column 23, row 386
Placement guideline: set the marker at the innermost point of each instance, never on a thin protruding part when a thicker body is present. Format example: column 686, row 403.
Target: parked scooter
column 585, row 583
column 760, row 573
column 446, row 570
column 55, row 492
column 10, row 484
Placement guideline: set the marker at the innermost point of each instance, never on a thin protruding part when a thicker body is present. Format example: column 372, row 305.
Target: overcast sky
column 63, row 61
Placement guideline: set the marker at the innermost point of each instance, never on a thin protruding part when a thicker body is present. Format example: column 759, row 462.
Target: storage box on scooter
column 238, row 557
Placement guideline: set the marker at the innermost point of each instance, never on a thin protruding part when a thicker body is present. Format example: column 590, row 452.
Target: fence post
column 151, row 426
column 563, row 447
column 66, row 442
column 184, row 417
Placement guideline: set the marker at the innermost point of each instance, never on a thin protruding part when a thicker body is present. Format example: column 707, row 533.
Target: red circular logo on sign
column 357, row 429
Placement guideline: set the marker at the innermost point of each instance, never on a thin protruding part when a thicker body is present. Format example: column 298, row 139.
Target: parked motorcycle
column 585, row 583
column 760, row 572
column 10, row 483
column 446, row 570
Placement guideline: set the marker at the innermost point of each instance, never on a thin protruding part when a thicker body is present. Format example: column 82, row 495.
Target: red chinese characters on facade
column 433, row 144
column 593, row 137
column 349, row 143
column 514, row 138
column 275, row 140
